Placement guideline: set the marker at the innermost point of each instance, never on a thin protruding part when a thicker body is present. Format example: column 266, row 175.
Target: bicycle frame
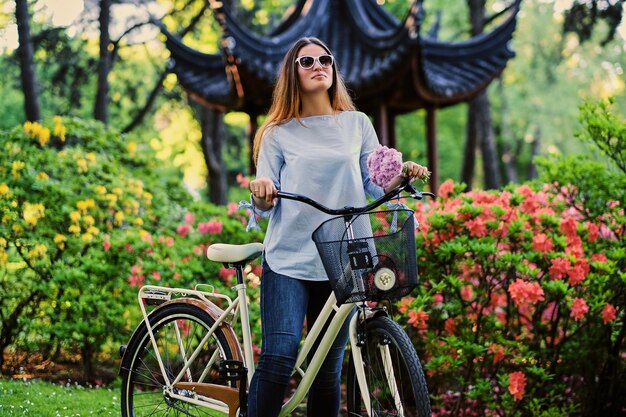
column 239, row 310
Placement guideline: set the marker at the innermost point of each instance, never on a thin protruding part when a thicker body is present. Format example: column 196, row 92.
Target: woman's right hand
column 263, row 190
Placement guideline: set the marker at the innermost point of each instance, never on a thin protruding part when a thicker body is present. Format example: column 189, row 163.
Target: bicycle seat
column 226, row 253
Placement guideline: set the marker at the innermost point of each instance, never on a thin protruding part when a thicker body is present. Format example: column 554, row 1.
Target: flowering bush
column 87, row 216
column 522, row 305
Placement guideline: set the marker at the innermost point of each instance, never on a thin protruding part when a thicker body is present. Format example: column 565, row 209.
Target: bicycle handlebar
column 404, row 186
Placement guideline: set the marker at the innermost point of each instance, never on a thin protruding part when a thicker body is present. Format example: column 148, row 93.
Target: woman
column 314, row 143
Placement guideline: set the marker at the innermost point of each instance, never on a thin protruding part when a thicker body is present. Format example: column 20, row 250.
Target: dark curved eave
column 367, row 56
column 201, row 74
column 451, row 71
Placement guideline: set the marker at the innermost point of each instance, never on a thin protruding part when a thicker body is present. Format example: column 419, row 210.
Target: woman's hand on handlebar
column 409, row 170
column 264, row 192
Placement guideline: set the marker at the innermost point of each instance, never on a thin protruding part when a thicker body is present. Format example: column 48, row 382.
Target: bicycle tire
column 142, row 380
column 410, row 383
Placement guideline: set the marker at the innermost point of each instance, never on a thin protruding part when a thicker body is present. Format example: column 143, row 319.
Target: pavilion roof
column 379, row 57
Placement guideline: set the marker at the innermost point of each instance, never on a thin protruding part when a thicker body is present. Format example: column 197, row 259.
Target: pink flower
column 542, row 243
column 226, row 273
column 418, row 319
column 593, row 232
column 106, row 245
column 568, row 226
column 579, row 309
column 212, row 226
column 525, row 293
column 476, row 227
column 243, row 182
column 190, row 218
column 156, row 275
column 384, row 165
column 559, row 268
column 445, row 189
column 609, row 313
column 517, row 384
column 578, row 273
column 599, row 257
column 183, row 230
column 467, row 293
column 438, row 299
column 169, row 241
column 232, row 208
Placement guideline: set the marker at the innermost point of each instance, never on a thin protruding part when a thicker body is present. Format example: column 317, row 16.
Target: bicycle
column 185, row 357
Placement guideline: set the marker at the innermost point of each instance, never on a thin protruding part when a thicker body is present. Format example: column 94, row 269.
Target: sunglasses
column 307, row 62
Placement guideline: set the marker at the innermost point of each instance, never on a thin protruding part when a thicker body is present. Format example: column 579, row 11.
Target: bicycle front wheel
column 178, row 331
column 395, row 380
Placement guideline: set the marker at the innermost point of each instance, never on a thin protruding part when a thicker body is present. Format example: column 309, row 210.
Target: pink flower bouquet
column 384, row 165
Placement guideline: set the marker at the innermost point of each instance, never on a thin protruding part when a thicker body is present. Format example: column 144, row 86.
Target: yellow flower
column 93, row 230
column 74, row 229
column 3, row 258
column 59, row 129
column 4, row 189
column 60, row 240
column 112, row 199
column 75, row 216
column 33, row 212
column 119, row 218
column 42, row 176
column 91, row 157
column 139, row 221
column 16, row 167
column 17, row 229
column 38, row 251
column 3, row 242
column 132, row 147
column 87, row 237
column 44, row 136
column 89, row 220
column 82, row 166
column 118, row 191
column 100, row 189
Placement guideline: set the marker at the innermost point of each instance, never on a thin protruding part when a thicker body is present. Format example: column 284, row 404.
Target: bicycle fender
column 211, row 309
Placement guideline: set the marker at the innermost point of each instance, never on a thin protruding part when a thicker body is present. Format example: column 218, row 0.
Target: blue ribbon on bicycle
column 395, row 207
column 252, row 221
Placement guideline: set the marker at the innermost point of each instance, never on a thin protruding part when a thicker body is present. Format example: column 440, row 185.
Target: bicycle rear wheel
column 178, row 330
column 394, row 375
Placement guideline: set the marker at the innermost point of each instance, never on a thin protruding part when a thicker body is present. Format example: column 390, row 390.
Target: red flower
column 183, row 230
column 525, row 293
column 609, row 313
column 568, row 227
column 445, row 189
column 517, row 384
column 212, row 226
column 497, row 351
column 190, row 218
column 476, row 227
column 578, row 273
column 579, row 309
column 418, row 319
column 559, row 268
column 593, row 231
column 542, row 243
column 106, row 245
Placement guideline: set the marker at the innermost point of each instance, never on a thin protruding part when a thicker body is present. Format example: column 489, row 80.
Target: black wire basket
column 369, row 256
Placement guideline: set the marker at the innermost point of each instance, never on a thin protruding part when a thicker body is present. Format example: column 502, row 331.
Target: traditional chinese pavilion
column 390, row 66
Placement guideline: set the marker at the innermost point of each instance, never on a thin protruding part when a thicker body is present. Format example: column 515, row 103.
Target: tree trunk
column 479, row 125
column 212, row 124
column 104, row 64
column 27, row 62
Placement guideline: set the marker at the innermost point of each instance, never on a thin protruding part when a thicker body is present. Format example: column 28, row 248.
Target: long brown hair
column 286, row 102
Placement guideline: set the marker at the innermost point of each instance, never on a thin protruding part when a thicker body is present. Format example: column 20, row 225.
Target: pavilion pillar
column 381, row 124
column 431, row 142
column 252, row 129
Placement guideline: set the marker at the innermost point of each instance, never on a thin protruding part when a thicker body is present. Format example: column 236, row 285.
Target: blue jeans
column 285, row 302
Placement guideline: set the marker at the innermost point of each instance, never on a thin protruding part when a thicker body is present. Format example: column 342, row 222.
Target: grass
column 44, row 399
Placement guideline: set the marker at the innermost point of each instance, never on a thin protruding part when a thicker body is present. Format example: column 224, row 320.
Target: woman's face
column 316, row 78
